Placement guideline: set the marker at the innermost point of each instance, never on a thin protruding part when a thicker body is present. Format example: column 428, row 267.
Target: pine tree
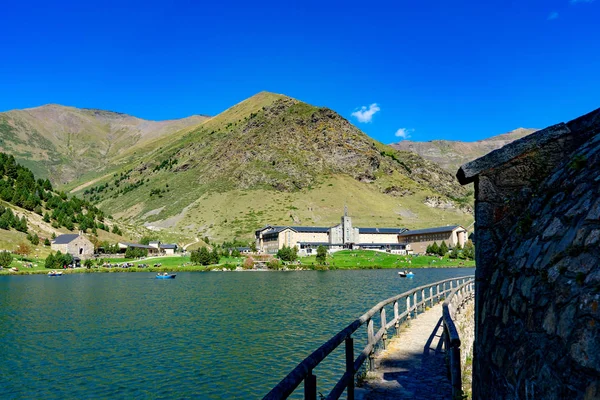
column 214, row 256
column 21, row 225
column 443, row 250
column 321, row 254
column 469, row 250
column 5, row 258
column 204, row 256
column 435, row 248
column 49, row 261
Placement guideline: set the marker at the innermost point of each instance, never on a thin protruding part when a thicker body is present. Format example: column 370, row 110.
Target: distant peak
column 269, row 95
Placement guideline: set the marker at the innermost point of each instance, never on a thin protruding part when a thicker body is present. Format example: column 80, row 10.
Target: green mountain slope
column 61, row 143
column 274, row 159
column 450, row 155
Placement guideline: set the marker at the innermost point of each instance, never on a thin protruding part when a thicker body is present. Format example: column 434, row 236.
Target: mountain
column 273, row 159
column 450, row 155
column 62, row 143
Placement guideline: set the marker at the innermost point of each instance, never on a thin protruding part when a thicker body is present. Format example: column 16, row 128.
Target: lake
column 202, row 335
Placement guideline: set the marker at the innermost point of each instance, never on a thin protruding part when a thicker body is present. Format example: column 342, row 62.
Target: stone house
column 168, row 249
column 420, row 239
column 537, row 282
column 76, row 245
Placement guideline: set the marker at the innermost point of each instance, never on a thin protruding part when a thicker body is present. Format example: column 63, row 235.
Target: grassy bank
column 352, row 259
column 341, row 260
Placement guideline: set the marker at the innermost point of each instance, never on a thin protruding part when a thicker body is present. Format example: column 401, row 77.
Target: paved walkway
column 412, row 366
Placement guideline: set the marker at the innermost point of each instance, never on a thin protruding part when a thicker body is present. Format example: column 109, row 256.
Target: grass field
column 374, row 259
column 346, row 259
column 176, row 263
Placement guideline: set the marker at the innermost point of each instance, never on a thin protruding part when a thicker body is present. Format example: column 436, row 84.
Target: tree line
column 468, row 252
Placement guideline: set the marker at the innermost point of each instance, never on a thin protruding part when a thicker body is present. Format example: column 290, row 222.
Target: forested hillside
column 20, row 188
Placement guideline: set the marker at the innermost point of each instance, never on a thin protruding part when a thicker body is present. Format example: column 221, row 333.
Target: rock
column 549, row 323
column 554, row 228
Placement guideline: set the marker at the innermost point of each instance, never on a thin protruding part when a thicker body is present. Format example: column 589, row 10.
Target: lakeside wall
column 537, row 211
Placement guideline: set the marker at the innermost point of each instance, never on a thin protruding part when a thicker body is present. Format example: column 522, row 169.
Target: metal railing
column 454, row 303
column 304, row 370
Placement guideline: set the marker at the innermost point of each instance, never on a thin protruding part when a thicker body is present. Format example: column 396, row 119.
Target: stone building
column 420, row 239
column 537, row 236
column 154, row 248
column 76, row 245
column 342, row 236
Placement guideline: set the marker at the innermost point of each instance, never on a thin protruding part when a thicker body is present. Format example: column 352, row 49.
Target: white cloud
column 404, row 133
column 553, row 15
column 366, row 114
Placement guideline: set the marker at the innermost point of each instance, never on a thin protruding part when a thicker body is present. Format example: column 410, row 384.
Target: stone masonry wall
column 465, row 324
column 537, row 216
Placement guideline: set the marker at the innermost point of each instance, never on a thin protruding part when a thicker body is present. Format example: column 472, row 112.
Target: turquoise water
column 203, row 335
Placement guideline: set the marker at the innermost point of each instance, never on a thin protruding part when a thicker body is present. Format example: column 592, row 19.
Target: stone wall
column 465, row 324
column 537, row 226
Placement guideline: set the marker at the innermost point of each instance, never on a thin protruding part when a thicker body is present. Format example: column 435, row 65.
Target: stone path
column 412, row 366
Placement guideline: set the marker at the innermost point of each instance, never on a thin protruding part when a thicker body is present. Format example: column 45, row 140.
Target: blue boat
column 165, row 276
column 405, row 274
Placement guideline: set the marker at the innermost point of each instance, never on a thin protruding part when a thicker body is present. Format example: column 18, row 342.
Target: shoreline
column 215, row 268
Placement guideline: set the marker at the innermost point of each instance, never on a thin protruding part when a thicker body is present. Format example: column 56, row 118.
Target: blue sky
column 428, row 70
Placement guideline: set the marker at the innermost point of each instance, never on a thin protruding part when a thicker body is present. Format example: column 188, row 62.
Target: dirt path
column 83, row 186
column 412, row 366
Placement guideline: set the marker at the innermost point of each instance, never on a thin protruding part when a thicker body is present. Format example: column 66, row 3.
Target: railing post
column 415, row 304
column 371, row 342
column 423, row 299
column 431, row 296
column 310, row 387
column 383, row 324
column 455, row 373
column 408, row 308
column 350, row 367
column 396, row 319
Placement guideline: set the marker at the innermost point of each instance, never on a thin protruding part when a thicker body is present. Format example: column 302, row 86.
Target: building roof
column 324, row 244
column 316, row 229
column 168, row 246
column 65, row 239
column 136, row 245
column 439, row 229
column 381, row 244
column 322, row 229
column 381, row 230
column 277, row 229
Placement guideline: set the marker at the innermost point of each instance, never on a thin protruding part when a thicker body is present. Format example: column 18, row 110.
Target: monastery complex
column 346, row 236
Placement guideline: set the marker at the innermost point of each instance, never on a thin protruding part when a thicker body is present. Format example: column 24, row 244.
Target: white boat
column 405, row 274
column 55, row 273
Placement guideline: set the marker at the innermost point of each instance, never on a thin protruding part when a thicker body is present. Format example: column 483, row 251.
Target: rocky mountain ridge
column 450, row 155
column 64, row 143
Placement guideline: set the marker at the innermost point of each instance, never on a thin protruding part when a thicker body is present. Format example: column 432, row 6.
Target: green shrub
column 5, row 258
